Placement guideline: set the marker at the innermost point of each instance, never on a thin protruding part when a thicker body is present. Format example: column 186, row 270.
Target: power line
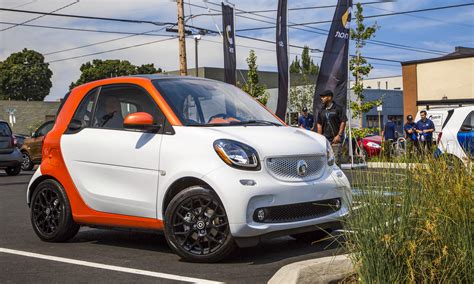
column 307, row 8
column 366, row 17
column 24, row 4
column 101, row 42
column 325, row 32
column 88, row 17
column 41, row 16
column 111, row 50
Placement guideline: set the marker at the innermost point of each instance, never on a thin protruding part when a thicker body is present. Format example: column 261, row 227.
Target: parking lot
column 115, row 256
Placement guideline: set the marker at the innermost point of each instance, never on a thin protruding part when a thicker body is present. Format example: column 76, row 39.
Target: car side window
column 468, row 124
column 85, row 109
column 45, row 128
column 115, row 102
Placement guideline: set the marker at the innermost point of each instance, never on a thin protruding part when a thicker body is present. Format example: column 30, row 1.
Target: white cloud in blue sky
column 438, row 30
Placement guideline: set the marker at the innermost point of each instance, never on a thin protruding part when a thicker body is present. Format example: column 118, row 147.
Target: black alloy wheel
column 51, row 213
column 197, row 227
column 13, row 171
column 26, row 164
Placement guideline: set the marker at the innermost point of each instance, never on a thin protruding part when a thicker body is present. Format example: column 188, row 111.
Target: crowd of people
column 331, row 122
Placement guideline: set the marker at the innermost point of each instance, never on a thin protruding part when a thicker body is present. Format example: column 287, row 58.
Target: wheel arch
column 34, row 185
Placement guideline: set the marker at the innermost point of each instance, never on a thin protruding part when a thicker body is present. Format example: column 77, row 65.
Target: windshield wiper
column 255, row 121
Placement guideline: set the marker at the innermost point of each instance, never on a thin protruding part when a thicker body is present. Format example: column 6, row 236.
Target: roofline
column 443, row 58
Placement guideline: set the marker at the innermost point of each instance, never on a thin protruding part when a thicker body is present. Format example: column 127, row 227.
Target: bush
column 413, row 225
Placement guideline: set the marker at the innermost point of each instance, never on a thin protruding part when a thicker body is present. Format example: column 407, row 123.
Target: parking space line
column 107, row 267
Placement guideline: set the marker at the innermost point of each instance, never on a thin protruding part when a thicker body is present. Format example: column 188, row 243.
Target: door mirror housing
column 74, row 126
column 140, row 121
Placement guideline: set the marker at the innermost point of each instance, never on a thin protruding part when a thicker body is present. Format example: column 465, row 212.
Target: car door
column 114, row 169
column 36, row 142
column 466, row 135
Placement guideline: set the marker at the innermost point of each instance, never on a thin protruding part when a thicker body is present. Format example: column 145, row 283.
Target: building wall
column 409, row 89
column 452, row 79
column 383, row 83
column 392, row 105
column 27, row 114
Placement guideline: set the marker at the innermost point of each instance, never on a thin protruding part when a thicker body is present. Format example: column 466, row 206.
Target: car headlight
column 237, row 155
column 329, row 154
column 373, row 145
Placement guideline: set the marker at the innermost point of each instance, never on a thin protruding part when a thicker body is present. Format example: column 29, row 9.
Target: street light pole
column 196, row 59
column 183, row 69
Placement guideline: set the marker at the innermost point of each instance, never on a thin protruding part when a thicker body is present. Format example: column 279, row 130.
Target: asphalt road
column 142, row 251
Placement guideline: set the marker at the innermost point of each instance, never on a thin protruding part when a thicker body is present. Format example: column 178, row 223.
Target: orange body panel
column 53, row 162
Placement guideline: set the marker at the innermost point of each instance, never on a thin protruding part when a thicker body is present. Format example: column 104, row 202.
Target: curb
column 320, row 270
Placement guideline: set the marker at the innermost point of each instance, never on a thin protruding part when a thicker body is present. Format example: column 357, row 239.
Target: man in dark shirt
column 425, row 128
column 410, row 135
column 306, row 120
column 332, row 122
column 388, row 134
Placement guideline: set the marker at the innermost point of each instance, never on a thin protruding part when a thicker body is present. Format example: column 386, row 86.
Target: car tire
column 13, row 171
column 313, row 236
column 196, row 226
column 51, row 214
column 27, row 164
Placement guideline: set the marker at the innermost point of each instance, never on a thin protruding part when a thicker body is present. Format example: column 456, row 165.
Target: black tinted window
column 469, row 121
column 5, row 130
column 115, row 102
column 85, row 109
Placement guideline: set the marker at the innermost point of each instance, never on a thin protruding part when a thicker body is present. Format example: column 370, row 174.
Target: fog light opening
column 260, row 215
column 248, row 182
column 338, row 204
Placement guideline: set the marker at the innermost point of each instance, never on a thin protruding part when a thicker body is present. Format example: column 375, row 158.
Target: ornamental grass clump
column 413, row 224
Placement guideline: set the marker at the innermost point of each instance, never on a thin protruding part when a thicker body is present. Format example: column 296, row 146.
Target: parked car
column 198, row 159
column 31, row 148
column 19, row 140
column 10, row 156
column 371, row 145
column 456, row 141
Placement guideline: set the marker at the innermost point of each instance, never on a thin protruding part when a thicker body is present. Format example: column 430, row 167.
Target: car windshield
column 211, row 103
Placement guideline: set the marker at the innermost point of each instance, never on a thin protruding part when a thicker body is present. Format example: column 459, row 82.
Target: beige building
column 446, row 81
column 383, row 83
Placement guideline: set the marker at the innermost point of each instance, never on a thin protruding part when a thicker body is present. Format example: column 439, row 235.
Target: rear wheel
column 13, row 171
column 51, row 214
column 196, row 226
column 26, row 164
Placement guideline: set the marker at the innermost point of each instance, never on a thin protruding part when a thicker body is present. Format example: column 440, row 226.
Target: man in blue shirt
column 306, row 120
column 425, row 128
column 410, row 134
column 388, row 134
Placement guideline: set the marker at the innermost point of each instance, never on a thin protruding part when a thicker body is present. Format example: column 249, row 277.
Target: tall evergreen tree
column 253, row 86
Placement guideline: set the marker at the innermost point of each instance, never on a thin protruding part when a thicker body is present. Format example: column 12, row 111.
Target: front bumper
column 241, row 201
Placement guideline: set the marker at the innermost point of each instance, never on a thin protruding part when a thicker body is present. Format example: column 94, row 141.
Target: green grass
column 413, row 225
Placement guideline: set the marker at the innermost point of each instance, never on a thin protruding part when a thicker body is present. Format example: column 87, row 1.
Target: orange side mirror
column 139, row 120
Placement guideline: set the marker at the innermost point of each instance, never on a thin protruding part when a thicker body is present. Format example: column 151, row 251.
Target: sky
column 439, row 30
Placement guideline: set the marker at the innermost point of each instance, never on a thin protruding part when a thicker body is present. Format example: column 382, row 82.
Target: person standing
column 306, row 120
column 425, row 128
column 331, row 122
column 388, row 135
column 411, row 135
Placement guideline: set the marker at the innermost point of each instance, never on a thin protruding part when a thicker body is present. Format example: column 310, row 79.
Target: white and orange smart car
column 195, row 158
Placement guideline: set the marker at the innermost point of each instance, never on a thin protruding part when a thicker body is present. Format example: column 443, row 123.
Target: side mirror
column 33, row 134
column 140, row 121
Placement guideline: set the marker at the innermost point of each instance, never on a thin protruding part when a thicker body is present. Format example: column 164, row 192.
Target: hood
column 269, row 141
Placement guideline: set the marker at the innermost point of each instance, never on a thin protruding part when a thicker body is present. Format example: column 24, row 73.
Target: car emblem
column 301, row 168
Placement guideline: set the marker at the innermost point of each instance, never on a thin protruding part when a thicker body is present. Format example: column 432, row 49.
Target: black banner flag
column 229, row 44
column 282, row 58
column 334, row 64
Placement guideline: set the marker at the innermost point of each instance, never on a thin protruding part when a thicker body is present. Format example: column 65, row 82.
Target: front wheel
column 51, row 214
column 26, row 164
column 13, row 171
column 196, row 226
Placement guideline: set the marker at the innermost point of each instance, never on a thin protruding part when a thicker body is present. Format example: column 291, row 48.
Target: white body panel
column 115, row 171
column 438, row 116
column 449, row 143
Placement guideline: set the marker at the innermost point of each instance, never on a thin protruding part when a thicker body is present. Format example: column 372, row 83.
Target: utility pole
column 183, row 69
column 196, row 42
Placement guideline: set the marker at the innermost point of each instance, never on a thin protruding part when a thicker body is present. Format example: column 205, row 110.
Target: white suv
column 199, row 159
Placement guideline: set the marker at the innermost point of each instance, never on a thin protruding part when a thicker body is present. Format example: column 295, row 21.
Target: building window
column 372, row 121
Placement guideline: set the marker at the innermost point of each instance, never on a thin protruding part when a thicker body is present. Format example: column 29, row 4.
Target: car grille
column 286, row 168
column 297, row 212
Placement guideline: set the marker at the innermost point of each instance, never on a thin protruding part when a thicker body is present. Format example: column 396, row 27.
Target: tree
column 306, row 66
column 101, row 69
column 359, row 66
column 302, row 96
column 25, row 76
column 252, row 86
